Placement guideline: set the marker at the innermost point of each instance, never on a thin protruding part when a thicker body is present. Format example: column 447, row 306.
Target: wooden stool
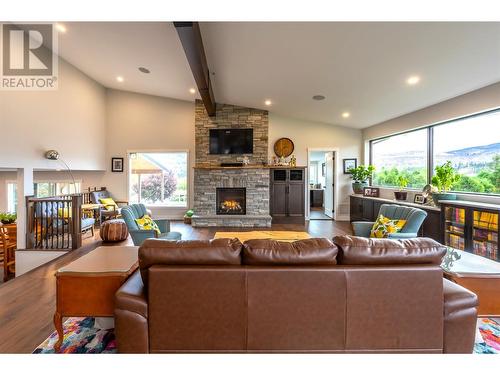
column 114, row 230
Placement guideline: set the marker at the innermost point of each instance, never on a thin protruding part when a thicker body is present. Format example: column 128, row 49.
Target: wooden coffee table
column 481, row 276
column 87, row 286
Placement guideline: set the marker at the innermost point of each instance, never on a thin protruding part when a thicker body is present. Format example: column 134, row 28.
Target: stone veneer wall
column 230, row 116
column 255, row 180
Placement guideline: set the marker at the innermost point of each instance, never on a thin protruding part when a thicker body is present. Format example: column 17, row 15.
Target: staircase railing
column 55, row 222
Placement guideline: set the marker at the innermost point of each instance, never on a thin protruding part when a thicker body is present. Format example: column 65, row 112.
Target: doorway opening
column 321, row 187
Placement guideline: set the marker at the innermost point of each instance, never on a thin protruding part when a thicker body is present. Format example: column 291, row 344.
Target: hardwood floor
column 27, row 303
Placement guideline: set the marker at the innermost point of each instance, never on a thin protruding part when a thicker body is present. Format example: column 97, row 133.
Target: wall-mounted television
column 231, row 141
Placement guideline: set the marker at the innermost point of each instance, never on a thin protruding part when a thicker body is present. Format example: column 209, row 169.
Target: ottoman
column 114, row 230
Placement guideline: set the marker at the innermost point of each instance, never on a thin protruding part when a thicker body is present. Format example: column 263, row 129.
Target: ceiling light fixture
column 60, row 27
column 119, row 79
column 346, row 115
column 144, row 70
column 268, row 102
column 192, row 91
column 318, row 97
column 413, row 80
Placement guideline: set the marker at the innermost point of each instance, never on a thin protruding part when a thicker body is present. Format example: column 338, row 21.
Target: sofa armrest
column 362, row 228
column 399, row 235
column 163, row 224
column 460, row 318
column 131, row 316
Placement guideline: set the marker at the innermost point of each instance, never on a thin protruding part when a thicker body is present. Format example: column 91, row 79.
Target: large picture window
column 473, row 147
column 401, row 155
column 471, row 144
column 159, row 178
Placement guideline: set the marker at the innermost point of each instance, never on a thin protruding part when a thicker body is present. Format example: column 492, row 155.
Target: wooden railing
column 55, row 222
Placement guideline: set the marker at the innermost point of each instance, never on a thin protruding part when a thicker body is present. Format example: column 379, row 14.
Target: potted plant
column 7, row 218
column 187, row 216
column 360, row 176
column 443, row 180
column 402, row 183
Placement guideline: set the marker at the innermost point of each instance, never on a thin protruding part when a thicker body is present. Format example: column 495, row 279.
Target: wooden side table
column 478, row 274
column 87, row 286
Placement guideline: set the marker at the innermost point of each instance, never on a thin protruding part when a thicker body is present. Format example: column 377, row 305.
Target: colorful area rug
column 487, row 336
column 81, row 336
column 278, row 235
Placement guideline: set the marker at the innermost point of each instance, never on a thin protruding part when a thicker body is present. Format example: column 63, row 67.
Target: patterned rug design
column 81, row 336
column 487, row 336
column 279, row 235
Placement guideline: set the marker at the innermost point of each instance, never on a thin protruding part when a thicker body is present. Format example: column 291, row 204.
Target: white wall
column 306, row 134
column 70, row 119
column 138, row 122
column 476, row 101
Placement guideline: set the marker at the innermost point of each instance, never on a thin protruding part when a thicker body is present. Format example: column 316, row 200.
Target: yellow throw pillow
column 64, row 212
column 109, row 203
column 385, row 226
column 146, row 223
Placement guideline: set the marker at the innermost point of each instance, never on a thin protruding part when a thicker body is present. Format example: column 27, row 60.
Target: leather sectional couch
column 353, row 295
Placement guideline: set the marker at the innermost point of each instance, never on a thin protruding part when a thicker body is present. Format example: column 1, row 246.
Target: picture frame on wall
column 116, row 164
column 323, row 166
column 349, row 164
column 419, row 199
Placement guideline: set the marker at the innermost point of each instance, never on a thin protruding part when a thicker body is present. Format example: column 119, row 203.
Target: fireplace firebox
column 231, row 201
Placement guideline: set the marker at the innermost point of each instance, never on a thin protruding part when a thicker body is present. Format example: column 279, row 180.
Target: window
column 401, row 155
column 44, row 189
column 471, row 144
column 474, row 151
column 11, row 197
column 159, row 178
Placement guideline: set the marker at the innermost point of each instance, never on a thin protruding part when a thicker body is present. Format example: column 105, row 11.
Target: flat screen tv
column 231, row 141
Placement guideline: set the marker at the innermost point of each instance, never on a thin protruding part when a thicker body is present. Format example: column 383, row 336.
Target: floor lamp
column 54, row 155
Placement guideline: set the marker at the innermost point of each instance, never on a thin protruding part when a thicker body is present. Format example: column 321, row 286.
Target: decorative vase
column 357, row 187
column 436, row 197
column 401, row 195
column 187, row 220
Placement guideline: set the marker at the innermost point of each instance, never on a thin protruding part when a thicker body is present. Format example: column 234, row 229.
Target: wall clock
column 283, row 147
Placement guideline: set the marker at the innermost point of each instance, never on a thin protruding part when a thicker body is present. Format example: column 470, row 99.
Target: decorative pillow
column 385, row 226
column 146, row 223
column 109, row 203
column 64, row 212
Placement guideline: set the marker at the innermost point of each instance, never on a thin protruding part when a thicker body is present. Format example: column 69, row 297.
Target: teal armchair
column 414, row 218
column 136, row 211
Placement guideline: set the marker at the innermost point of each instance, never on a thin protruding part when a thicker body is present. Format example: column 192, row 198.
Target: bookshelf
column 471, row 226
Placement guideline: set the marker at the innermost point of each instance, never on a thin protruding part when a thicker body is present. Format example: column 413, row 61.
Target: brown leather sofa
column 353, row 295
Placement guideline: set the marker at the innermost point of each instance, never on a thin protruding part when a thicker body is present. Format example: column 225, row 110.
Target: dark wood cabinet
column 287, row 193
column 366, row 209
column 317, row 197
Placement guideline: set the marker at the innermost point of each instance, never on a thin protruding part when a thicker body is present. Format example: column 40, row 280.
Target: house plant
column 360, row 176
column 444, row 179
column 402, row 183
column 187, row 216
column 7, row 218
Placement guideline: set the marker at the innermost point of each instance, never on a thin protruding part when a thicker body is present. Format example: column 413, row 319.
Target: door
column 278, row 199
column 295, row 199
column 328, row 199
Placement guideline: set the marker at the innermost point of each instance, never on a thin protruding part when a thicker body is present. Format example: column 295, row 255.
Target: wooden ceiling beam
column 190, row 36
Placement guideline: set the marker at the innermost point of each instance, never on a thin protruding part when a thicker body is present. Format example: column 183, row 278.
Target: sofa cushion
column 222, row 251
column 312, row 251
column 382, row 251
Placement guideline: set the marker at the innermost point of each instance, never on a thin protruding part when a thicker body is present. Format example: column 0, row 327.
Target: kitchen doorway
column 321, row 186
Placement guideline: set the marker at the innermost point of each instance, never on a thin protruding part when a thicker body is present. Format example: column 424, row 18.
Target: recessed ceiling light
column 268, row 102
column 119, row 79
column 60, row 27
column 144, row 70
column 318, row 97
column 192, row 91
column 413, row 80
column 346, row 115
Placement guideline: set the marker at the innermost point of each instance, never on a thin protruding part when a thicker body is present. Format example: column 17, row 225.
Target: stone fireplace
column 230, row 201
column 231, row 196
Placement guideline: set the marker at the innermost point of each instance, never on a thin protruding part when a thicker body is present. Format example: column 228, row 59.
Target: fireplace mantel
column 247, row 167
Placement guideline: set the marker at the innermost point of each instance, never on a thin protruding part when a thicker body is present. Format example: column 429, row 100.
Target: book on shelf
column 486, row 220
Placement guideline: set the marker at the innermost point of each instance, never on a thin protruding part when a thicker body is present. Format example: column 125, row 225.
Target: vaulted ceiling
column 360, row 68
